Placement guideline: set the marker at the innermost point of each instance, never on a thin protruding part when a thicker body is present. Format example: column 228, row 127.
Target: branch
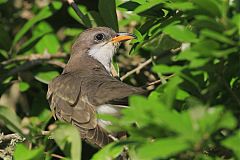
column 142, row 65
column 9, row 137
column 31, row 61
column 137, row 69
column 158, row 81
column 31, row 57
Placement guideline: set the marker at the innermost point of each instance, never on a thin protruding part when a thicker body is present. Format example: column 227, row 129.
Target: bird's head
column 100, row 43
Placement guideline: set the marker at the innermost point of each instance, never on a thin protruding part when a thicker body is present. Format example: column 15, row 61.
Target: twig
column 31, row 57
column 57, row 63
column 45, row 133
column 10, row 137
column 31, row 61
column 54, row 155
column 57, row 156
column 158, row 81
column 137, row 69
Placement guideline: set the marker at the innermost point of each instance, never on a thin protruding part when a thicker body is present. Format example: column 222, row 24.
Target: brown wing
column 103, row 88
column 67, row 105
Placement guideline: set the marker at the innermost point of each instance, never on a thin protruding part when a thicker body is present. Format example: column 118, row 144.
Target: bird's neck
column 84, row 62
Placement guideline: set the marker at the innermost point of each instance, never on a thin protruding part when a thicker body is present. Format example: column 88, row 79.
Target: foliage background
column 191, row 45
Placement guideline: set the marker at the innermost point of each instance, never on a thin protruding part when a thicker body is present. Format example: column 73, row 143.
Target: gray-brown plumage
column 86, row 86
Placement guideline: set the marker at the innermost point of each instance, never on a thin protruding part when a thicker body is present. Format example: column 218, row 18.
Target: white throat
column 103, row 52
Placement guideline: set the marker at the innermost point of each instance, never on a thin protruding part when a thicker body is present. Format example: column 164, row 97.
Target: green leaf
column 128, row 6
column 233, row 143
column 184, row 6
column 212, row 7
column 206, row 22
column 208, row 120
column 162, row 148
column 43, row 14
column 72, row 31
column 83, row 19
column 68, row 139
column 227, row 121
column 171, row 90
column 22, row 152
column 3, row 1
column 11, row 120
column 181, row 94
column 107, row 10
column 163, row 69
column 23, row 86
column 236, row 21
column 97, row 18
column 217, row 36
column 49, row 42
column 28, row 45
column 180, row 33
column 186, row 55
column 111, row 151
column 139, row 36
column 4, row 53
column 46, row 77
column 198, row 62
column 147, row 5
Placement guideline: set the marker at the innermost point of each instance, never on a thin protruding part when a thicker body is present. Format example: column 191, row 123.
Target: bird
column 87, row 88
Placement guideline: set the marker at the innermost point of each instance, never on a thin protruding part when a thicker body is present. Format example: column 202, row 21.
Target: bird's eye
column 99, row 37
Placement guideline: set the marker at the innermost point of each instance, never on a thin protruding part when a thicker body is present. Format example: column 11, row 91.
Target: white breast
column 103, row 52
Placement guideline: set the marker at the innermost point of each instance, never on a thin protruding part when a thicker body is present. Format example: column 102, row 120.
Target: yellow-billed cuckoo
column 86, row 86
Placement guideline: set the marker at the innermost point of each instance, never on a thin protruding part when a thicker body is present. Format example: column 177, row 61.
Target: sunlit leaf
column 46, row 77
column 49, row 42
column 233, row 143
column 37, row 153
column 111, row 151
column 3, row 1
column 68, row 139
column 23, row 86
column 180, row 5
column 158, row 149
column 3, row 53
column 217, row 36
column 29, row 45
column 72, row 31
column 147, row 5
column 180, row 33
column 236, row 20
column 163, row 69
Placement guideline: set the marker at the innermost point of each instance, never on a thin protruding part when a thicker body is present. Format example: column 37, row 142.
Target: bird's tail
column 98, row 137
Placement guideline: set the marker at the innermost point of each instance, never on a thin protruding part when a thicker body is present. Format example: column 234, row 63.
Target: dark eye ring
column 99, row 37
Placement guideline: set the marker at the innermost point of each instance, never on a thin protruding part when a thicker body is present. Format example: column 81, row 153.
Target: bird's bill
column 123, row 36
